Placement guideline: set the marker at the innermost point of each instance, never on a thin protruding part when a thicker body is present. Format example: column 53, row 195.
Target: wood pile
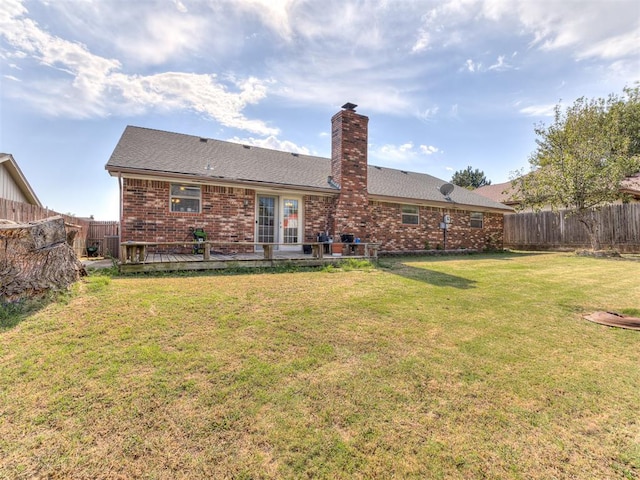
column 36, row 258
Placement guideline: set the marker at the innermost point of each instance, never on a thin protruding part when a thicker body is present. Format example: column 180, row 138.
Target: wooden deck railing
column 136, row 252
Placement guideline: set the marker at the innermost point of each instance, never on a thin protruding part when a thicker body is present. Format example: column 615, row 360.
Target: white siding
column 8, row 187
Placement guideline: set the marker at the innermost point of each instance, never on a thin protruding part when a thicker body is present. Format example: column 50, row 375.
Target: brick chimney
column 349, row 172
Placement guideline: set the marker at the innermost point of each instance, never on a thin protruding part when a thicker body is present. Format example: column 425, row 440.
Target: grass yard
column 460, row 367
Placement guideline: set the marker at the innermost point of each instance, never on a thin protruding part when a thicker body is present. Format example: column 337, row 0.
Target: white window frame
column 478, row 221
column 174, row 199
column 414, row 213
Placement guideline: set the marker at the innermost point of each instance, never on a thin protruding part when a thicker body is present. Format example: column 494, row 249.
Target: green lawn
column 460, row 367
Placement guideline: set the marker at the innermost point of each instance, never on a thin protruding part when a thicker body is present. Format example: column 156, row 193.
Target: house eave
column 217, row 181
column 441, row 204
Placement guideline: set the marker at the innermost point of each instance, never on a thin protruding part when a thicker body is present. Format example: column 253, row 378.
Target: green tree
column 470, row 179
column 582, row 158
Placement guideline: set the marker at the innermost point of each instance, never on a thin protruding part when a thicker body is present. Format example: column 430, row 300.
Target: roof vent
column 405, row 172
column 377, row 167
column 246, row 146
column 350, row 106
column 203, row 140
column 295, row 154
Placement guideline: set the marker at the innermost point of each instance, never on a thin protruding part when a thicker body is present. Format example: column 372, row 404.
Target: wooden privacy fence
column 619, row 228
column 105, row 237
column 87, row 232
column 20, row 212
column 23, row 212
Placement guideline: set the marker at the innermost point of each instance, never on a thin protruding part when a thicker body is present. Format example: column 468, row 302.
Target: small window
column 185, row 198
column 410, row 215
column 476, row 219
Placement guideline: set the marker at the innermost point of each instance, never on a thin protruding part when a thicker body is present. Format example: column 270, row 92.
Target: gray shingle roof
column 498, row 192
column 150, row 151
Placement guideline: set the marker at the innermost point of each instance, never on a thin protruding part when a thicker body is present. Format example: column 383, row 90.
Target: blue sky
column 445, row 84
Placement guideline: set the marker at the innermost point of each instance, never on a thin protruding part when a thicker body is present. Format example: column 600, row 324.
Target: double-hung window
column 476, row 219
column 185, row 198
column 410, row 215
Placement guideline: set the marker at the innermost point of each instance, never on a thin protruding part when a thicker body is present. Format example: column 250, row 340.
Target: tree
column 470, row 179
column 582, row 158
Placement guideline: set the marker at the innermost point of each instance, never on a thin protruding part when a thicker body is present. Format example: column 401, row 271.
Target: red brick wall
column 318, row 216
column 146, row 215
column 387, row 228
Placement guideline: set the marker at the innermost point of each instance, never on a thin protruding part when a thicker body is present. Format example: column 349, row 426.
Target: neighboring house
column 498, row 192
column 13, row 184
column 171, row 184
column 631, row 186
column 504, row 192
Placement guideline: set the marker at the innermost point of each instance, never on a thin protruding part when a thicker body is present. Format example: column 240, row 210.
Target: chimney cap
column 350, row 106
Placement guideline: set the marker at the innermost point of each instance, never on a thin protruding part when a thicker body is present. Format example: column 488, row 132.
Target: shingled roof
column 498, row 192
column 165, row 154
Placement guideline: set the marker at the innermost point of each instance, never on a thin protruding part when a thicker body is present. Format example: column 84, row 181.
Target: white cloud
column 180, row 6
column 274, row 13
column 615, row 47
column 143, row 33
column 607, row 30
column 92, row 85
column 598, row 29
column 539, row 110
column 158, row 56
column 428, row 149
column 500, row 65
column 403, row 154
column 161, row 37
column 11, row 77
column 472, row 66
column 428, row 113
column 422, row 43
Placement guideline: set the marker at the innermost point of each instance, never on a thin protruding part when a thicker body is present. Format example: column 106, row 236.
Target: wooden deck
column 142, row 257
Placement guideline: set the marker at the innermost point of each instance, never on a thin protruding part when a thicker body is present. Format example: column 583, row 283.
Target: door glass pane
column 290, row 221
column 266, row 219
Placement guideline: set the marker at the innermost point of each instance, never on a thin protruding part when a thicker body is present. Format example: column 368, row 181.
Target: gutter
column 441, row 204
column 216, row 181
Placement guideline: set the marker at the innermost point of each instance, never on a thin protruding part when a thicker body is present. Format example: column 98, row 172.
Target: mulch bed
column 612, row 319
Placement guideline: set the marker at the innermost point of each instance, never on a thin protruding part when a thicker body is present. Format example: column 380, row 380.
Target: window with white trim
column 410, row 215
column 476, row 219
column 185, row 198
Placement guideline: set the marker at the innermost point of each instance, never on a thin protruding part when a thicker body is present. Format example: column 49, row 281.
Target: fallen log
column 35, row 259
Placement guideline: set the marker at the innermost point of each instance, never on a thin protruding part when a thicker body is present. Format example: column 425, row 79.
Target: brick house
column 171, row 183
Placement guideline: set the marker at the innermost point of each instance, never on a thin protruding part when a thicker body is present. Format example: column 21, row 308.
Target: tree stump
column 35, row 259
